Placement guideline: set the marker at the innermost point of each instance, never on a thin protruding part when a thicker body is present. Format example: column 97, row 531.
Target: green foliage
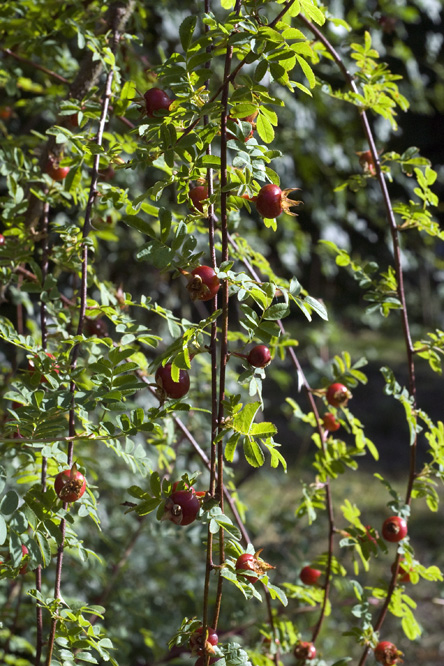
column 93, row 272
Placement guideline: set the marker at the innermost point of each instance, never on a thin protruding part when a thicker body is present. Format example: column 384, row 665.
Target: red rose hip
column 247, row 561
column 197, row 195
column 56, row 172
column 156, row 99
column 199, row 646
column 168, row 387
column 70, row 485
column 310, row 576
column 182, row 507
column 304, row 651
column 403, row 573
column 394, row 529
column 330, row 423
column 259, row 356
column 387, row 653
column 272, row 201
column 338, row 395
column 203, row 283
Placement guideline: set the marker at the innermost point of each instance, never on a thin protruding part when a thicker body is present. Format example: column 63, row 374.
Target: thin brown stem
column 400, row 289
column 44, row 329
column 322, row 436
column 35, row 65
column 82, row 309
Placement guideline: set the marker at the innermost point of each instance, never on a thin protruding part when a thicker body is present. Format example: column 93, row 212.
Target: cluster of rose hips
column 259, row 357
column 182, row 506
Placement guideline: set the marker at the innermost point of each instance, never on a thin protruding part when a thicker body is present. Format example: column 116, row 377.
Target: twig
column 400, row 288
column 115, row 16
column 328, row 497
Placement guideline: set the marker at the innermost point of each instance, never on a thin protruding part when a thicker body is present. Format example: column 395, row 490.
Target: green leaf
column 243, row 421
column 9, row 503
column 253, row 452
column 264, row 128
column 3, row 531
column 186, row 31
column 277, row 593
column 230, row 446
column 307, row 71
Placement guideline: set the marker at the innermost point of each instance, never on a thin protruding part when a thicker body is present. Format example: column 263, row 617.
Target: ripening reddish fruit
column 56, row 172
column 182, row 507
column 2, row 239
column 55, row 368
column 156, row 99
column 387, row 653
column 24, row 568
column 310, row 576
column 304, row 651
column 70, row 485
column 169, row 388
column 394, row 529
column 259, row 356
column 197, row 195
column 403, row 573
column 272, row 201
column 203, row 283
column 338, row 395
column 330, row 423
column 248, row 562
column 198, row 645
column 367, row 162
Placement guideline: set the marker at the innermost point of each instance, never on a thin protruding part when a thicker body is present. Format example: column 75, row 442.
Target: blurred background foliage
column 162, row 579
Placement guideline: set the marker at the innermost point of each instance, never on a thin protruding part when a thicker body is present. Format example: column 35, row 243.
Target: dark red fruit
column 70, row 485
column 304, row 650
column 272, row 201
column 200, row 646
column 96, row 328
column 182, row 507
column 56, row 172
column 338, row 395
column 168, row 387
column 403, row 573
column 394, row 529
column 387, row 653
column 259, row 356
column 156, row 100
column 197, row 195
column 268, row 202
column 330, row 423
column 310, row 576
column 203, row 283
column 247, row 562
column 254, row 563
column 2, row 239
